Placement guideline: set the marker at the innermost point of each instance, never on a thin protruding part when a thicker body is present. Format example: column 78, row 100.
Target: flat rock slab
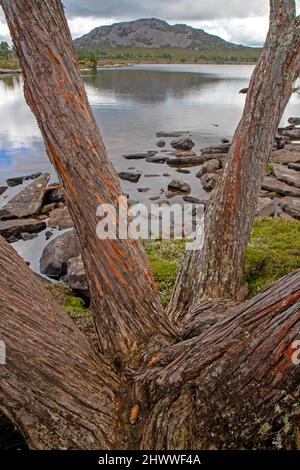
column 55, row 257
column 272, row 184
column 217, row 149
column 287, row 175
column 20, row 179
column 289, row 154
column 185, row 161
column 140, row 155
column 291, row 206
column 14, row 228
column 265, row 207
column 28, row 202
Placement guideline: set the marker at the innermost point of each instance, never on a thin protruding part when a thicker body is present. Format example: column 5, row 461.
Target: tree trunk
column 54, row 387
column 217, row 271
column 125, row 300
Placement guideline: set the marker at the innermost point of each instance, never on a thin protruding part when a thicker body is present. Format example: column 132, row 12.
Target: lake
column 132, row 104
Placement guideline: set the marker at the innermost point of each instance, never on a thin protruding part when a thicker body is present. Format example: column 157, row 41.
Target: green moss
column 273, row 251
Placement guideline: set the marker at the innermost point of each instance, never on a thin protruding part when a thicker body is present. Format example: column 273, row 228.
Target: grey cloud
column 184, row 10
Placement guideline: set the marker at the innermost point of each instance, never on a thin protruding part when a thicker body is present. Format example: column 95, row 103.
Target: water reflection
column 131, row 105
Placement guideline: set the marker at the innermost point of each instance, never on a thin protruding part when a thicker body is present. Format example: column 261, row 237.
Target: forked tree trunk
column 217, row 271
column 125, row 300
column 230, row 384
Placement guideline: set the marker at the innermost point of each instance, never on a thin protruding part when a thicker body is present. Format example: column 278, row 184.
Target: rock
column 76, row 276
column 55, row 257
column 217, row 149
column 294, row 166
column 2, row 189
column 140, row 155
column 295, row 121
column 155, row 175
column 179, row 186
column 183, row 143
column 225, row 141
column 128, row 176
column 265, row 207
column 244, row 91
column 54, row 194
column 154, row 198
column 14, row 228
column 209, row 181
column 182, row 170
column 293, row 134
column 143, row 190
column 156, row 159
column 49, row 208
column 185, row 161
column 28, row 202
column 289, row 154
column 212, row 165
column 171, row 134
column 48, row 235
column 285, row 216
column 161, row 143
column 201, row 172
column 291, row 206
column 192, row 199
column 28, row 236
column 12, row 239
column 287, row 175
column 272, row 184
column 61, row 219
column 20, row 179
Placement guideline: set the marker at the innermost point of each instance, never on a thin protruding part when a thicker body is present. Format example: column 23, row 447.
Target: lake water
column 131, row 105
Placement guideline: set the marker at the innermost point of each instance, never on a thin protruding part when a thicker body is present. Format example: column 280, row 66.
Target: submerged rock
column 28, row 202
column 171, row 133
column 55, row 257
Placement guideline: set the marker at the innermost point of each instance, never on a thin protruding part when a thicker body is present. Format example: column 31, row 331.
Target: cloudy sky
column 235, row 20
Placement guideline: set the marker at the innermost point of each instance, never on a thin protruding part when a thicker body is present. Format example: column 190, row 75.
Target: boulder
column 28, row 202
column 48, row 208
column 209, row 181
column 265, row 207
column 61, row 219
column 179, row 186
column 2, row 189
column 287, row 175
column 291, row 206
column 133, row 177
column 212, row 165
column 295, row 121
column 272, row 184
column 20, row 179
column 183, row 143
column 76, row 276
column 161, row 143
column 28, row 236
column 55, row 257
column 201, row 171
column 14, row 228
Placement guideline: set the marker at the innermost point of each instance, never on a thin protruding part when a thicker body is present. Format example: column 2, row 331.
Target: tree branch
column 126, row 303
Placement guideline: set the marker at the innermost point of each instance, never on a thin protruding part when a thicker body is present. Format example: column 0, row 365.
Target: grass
column 273, row 251
column 121, row 55
column 10, row 64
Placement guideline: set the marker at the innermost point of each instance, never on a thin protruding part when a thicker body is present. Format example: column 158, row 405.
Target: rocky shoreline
column 40, row 207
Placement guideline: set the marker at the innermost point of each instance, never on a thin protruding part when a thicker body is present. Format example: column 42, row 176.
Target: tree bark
column 54, row 387
column 217, row 270
column 126, row 303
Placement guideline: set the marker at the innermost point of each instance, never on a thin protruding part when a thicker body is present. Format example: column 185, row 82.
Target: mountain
column 152, row 33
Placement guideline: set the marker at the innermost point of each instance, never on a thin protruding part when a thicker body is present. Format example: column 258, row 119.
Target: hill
column 153, row 33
